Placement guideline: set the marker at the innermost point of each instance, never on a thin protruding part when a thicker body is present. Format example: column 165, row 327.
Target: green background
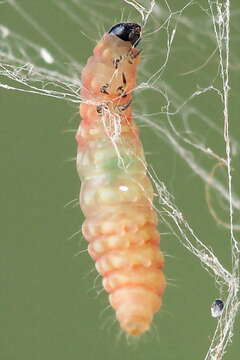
column 51, row 303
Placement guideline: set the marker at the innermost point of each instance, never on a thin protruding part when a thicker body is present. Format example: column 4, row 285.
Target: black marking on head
column 127, row 32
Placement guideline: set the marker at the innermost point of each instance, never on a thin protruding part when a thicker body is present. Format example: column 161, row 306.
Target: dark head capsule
column 127, row 32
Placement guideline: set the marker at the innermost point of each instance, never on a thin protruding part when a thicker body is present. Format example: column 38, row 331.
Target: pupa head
column 127, row 32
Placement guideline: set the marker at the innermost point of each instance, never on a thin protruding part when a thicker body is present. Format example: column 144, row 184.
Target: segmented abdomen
column 116, row 193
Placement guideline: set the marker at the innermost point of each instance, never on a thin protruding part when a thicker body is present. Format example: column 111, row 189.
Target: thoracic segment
column 116, row 193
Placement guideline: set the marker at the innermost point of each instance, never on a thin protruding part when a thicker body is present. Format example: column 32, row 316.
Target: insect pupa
column 116, row 194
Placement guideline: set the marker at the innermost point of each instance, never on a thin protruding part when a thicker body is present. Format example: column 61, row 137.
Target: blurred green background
column 51, row 303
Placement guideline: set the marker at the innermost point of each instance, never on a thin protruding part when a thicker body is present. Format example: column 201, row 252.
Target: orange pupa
column 116, row 193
